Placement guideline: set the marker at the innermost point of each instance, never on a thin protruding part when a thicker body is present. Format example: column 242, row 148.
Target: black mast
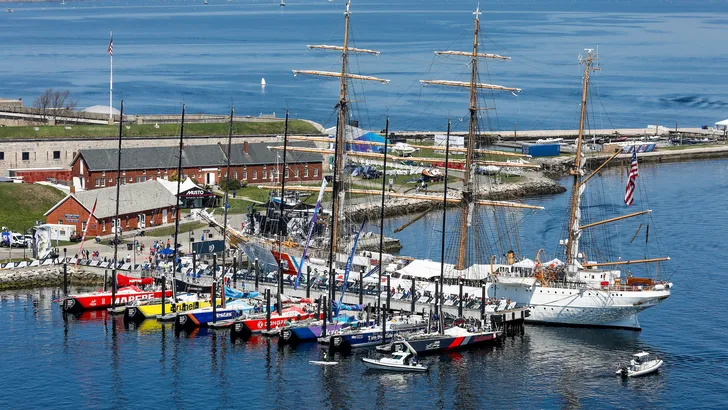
column 281, row 207
column 444, row 218
column 176, row 208
column 334, row 193
column 381, row 224
column 116, row 214
column 225, row 212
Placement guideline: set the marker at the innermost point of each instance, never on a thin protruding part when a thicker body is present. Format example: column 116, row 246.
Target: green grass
column 169, row 230
column 164, row 130
column 23, row 204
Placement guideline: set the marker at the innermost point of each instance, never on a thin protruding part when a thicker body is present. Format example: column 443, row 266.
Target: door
column 210, row 180
column 142, row 221
column 164, row 216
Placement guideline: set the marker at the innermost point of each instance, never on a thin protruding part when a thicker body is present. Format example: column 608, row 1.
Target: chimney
column 245, row 147
column 73, row 189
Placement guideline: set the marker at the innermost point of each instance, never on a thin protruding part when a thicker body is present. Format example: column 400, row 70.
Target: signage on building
column 207, row 247
column 71, row 217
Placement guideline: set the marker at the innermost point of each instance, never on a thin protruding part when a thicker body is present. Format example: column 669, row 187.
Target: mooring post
column 460, row 302
column 214, row 287
column 267, row 307
column 361, row 286
column 308, row 282
column 324, row 323
column 65, row 273
column 257, row 272
column 106, row 280
column 482, row 303
column 164, row 293
column 412, row 307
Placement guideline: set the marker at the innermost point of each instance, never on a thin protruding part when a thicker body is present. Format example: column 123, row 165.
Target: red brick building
column 140, row 206
column 254, row 163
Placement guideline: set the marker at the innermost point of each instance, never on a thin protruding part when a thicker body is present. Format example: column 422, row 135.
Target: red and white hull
column 102, row 300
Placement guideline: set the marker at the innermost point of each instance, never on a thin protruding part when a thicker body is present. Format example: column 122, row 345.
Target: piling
column 106, row 280
column 460, row 301
column 361, row 286
column 164, row 293
column 257, row 273
column 214, row 288
column 324, row 322
column 65, row 273
column 308, row 282
column 384, row 320
column 267, row 309
column 482, row 303
column 412, row 305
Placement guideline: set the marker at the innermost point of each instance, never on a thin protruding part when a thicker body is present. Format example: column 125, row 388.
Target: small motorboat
column 401, row 361
column 642, row 363
column 322, row 363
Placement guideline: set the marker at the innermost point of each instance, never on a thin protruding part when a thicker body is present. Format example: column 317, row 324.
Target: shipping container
column 542, row 150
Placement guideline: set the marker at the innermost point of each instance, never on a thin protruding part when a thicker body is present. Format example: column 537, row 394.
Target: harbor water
column 659, row 62
column 94, row 361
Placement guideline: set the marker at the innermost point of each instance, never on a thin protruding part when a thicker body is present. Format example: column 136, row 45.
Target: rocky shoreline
column 535, row 185
column 47, row 276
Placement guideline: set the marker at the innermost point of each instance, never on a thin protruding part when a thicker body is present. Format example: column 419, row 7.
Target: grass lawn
column 23, row 204
column 169, row 230
column 164, row 130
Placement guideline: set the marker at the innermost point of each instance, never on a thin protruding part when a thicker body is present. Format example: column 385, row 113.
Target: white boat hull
column 642, row 372
column 580, row 307
column 376, row 365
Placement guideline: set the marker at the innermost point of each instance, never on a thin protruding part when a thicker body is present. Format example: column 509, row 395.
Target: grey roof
column 133, row 198
column 192, row 156
column 260, row 154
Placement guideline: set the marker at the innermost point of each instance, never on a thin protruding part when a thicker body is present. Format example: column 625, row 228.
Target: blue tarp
column 369, row 136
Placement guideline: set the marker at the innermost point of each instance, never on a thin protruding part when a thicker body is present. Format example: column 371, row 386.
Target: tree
column 53, row 104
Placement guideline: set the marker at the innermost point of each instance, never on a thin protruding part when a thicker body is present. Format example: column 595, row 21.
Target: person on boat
column 326, row 356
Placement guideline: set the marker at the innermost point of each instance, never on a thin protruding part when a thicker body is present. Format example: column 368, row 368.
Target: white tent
column 722, row 125
column 526, row 263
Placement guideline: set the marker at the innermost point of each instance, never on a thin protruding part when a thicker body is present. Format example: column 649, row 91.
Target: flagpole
column 111, row 76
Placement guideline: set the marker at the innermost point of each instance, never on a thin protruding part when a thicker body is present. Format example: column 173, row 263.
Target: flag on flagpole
column 110, row 50
column 633, row 172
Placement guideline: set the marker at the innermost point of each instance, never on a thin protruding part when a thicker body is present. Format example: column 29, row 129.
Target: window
column 255, row 174
column 287, row 173
column 26, row 156
column 103, row 226
column 111, row 180
column 184, row 176
column 144, row 172
column 127, row 221
column 295, row 172
column 103, row 174
column 245, row 175
column 265, row 174
column 235, row 175
column 315, row 172
column 60, row 222
column 2, row 155
column 123, row 173
column 131, row 179
column 305, row 172
column 56, row 154
column 83, row 226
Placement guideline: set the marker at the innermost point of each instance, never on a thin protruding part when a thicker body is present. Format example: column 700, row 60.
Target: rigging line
column 604, row 109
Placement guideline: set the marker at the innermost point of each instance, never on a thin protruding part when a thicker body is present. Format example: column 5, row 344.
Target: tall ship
column 576, row 291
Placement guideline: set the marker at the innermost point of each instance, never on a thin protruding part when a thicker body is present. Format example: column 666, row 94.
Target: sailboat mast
column 340, row 131
column 116, row 212
column 176, row 207
column 467, row 182
column 281, row 208
column 227, row 201
column 572, row 246
column 439, row 299
column 381, row 222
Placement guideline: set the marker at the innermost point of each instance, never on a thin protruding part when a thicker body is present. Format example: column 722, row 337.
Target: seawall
column 47, row 276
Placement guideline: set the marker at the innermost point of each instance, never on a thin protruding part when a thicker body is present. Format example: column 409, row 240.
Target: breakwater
column 535, row 185
column 47, row 276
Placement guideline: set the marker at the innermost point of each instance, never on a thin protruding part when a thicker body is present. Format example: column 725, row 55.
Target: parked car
column 76, row 237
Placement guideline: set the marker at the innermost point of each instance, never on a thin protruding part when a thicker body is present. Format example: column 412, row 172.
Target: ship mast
column 337, row 189
column 474, row 86
column 577, row 170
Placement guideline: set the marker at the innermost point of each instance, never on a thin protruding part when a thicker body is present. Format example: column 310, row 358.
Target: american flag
column 110, row 50
column 633, row 172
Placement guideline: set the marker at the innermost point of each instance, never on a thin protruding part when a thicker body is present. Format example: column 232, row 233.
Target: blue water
column 661, row 61
column 93, row 361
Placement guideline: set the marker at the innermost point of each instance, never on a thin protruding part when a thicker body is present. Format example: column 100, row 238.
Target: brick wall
column 67, row 212
column 252, row 174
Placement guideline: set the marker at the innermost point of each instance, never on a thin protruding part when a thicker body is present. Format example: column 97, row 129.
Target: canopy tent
column 357, row 134
column 525, row 263
column 427, row 269
column 722, row 125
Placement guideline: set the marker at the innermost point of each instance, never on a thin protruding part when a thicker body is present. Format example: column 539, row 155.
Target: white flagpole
column 111, row 77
